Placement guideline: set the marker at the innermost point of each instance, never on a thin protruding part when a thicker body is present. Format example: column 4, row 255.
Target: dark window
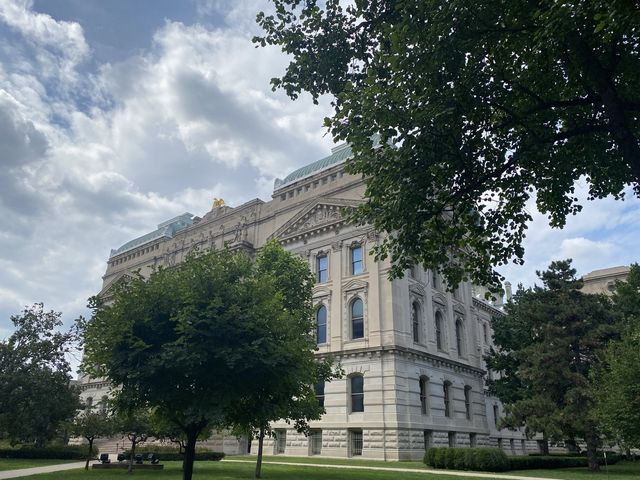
column 103, row 404
column 357, row 319
column 315, row 439
column 321, row 324
column 356, row 442
column 446, row 391
column 320, row 392
column 452, row 439
column 88, row 405
column 322, row 266
column 439, row 341
column 467, row 401
column 434, row 279
column 485, row 333
column 357, row 393
column 473, row 441
column 428, row 439
column 356, row 260
column 423, row 395
column 281, row 440
column 459, row 337
column 496, row 415
column 415, row 322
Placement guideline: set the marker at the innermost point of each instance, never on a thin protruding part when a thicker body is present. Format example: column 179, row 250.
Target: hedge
column 169, row 454
column 496, row 460
column 479, row 459
column 68, row 452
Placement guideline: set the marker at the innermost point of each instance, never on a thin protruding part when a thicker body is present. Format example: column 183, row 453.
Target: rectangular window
column 356, row 443
column 281, row 440
column 467, row 401
column 523, row 444
column 320, row 392
column 473, row 441
column 322, row 266
column 500, row 443
column 512, row 446
column 496, row 416
column 356, row 260
column 423, row 395
column 357, row 393
column 452, row 439
column 315, row 441
column 428, row 439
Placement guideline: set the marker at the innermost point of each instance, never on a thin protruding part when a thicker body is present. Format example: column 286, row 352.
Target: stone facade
column 604, row 280
column 420, row 352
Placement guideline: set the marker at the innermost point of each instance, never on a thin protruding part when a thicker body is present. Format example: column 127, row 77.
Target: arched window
column 423, row 395
column 320, row 392
column 321, row 325
column 357, row 393
column 446, row 391
column 439, row 333
column 88, row 404
column 357, row 319
column 460, row 337
column 103, row 404
column 415, row 321
column 467, row 401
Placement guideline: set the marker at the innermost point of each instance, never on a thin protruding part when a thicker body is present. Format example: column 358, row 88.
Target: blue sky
column 116, row 115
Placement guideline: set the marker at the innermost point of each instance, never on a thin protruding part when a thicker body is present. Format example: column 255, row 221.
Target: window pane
column 357, row 395
column 357, row 320
column 358, row 328
column 321, row 324
column 356, row 260
column 357, row 308
column 323, row 264
column 319, row 387
column 356, row 443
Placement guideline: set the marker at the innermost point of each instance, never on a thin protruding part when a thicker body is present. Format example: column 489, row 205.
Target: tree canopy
column 547, row 346
column 617, row 380
column 36, row 394
column 194, row 341
column 479, row 105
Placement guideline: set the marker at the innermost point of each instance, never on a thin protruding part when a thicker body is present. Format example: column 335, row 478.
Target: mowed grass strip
column 235, row 470
column 20, row 463
column 232, row 471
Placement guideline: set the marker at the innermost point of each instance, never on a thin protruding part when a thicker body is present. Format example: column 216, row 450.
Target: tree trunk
column 131, row 457
column 189, row 454
column 545, row 446
column 592, row 441
column 86, row 465
column 259, row 460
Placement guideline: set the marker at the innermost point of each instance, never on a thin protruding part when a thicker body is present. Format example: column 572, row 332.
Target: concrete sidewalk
column 25, row 472
column 453, row 473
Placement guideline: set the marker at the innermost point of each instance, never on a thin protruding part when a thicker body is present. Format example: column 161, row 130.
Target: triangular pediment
column 107, row 290
column 320, row 215
column 355, row 284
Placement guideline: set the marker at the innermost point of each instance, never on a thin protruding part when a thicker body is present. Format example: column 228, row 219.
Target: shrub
column 480, row 459
column 429, row 457
column 67, row 452
column 545, row 462
column 169, row 454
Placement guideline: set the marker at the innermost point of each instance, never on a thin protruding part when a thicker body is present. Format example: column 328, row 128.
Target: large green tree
column 617, row 380
column 547, row 345
column 478, row 104
column 36, row 395
column 190, row 341
column 281, row 376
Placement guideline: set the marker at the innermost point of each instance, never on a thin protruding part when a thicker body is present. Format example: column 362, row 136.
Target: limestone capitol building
column 411, row 351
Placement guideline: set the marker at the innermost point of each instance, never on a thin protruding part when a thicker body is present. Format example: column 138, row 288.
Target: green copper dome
column 339, row 155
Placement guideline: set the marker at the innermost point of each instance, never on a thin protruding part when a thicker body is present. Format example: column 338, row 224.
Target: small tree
column 135, row 423
column 36, row 395
column 92, row 425
column 551, row 339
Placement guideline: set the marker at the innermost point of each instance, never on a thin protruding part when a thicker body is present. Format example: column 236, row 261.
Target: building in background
column 412, row 351
column 604, row 280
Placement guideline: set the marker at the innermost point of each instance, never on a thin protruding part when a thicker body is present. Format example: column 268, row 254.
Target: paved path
column 25, row 472
column 453, row 473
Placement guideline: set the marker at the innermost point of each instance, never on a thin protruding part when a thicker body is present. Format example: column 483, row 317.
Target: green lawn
column 232, row 471
column 337, row 461
column 619, row 471
column 16, row 463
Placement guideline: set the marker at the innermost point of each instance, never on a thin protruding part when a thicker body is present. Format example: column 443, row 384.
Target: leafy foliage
column 617, row 380
column 547, row 345
column 91, row 425
column 478, row 104
column 194, row 343
column 36, row 396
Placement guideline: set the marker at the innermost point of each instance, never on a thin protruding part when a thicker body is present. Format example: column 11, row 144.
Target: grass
column 619, row 471
column 19, row 463
column 236, row 471
column 340, row 461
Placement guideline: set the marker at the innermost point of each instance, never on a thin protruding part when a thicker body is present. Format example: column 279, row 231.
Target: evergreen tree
column 547, row 345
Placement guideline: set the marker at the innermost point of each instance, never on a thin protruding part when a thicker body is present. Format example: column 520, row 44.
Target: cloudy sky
column 117, row 115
